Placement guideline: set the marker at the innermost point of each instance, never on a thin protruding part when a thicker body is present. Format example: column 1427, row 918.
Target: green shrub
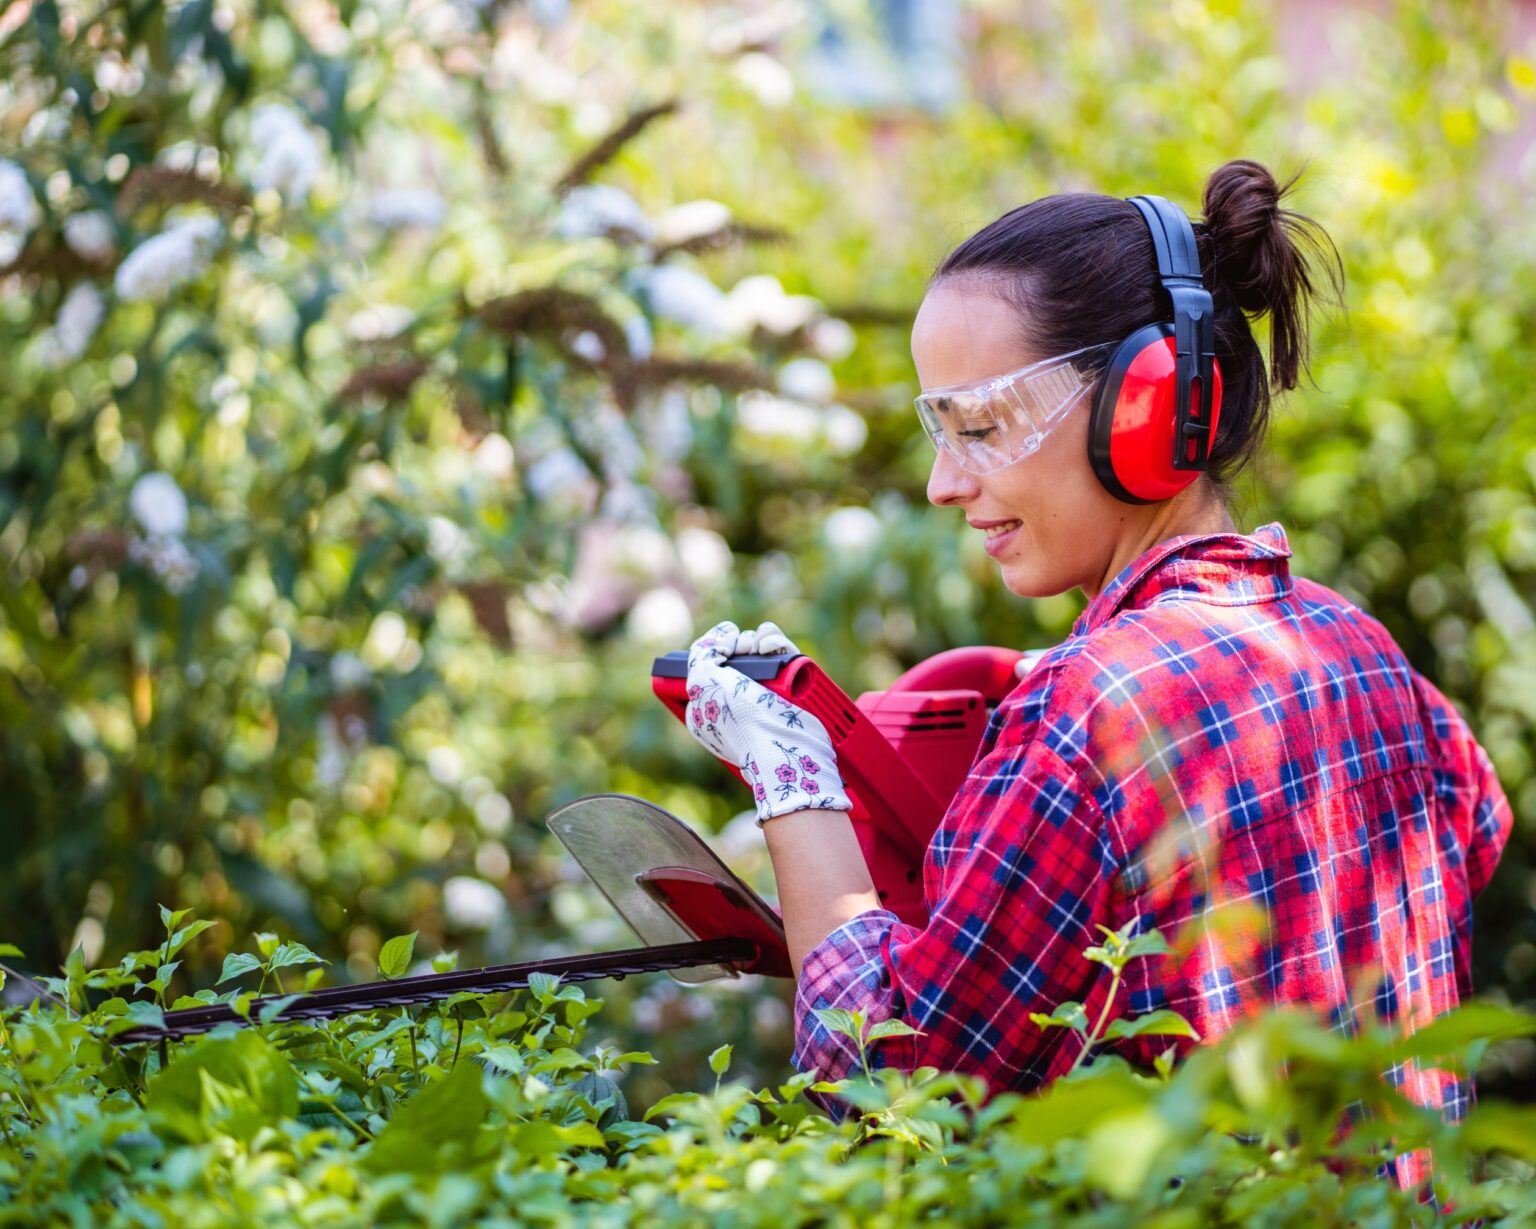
column 496, row 1110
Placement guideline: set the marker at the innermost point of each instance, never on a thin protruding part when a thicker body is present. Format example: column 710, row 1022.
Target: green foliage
column 493, row 1110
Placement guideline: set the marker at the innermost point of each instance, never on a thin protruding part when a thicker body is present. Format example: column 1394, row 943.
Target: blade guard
column 902, row 753
column 667, row 884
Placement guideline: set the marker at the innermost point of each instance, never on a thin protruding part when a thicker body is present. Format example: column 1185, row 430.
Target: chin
column 1022, row 578
column 1022, row 581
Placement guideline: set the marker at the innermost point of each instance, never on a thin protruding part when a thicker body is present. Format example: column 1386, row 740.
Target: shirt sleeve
column 1024, row 865
column 1476, row 816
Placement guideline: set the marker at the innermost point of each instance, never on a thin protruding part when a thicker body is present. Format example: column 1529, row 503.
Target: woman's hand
column 784, row 752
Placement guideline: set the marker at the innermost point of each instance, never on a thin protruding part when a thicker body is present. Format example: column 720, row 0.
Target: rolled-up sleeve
column 1017, row 876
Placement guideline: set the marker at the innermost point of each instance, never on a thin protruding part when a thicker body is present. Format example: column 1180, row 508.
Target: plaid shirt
column 1215, row 735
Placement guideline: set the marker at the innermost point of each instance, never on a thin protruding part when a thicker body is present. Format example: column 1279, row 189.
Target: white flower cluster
column 91, row 235
column 637, row 333
column 159, row 506
column 561, row 480
column 19, row 213
column 772, row 417
column 472, row 904
column 290, row 155
column 398, row 208
column 692, row 220
column 167, row 559
column 332, row 755
column 349, row 672
column 80, row 315
column 162, row 262
column 759, row 302
column 807, row 379
column 689, row 298
column 594, row 210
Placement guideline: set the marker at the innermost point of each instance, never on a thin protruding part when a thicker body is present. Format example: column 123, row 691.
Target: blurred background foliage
column 388, row 380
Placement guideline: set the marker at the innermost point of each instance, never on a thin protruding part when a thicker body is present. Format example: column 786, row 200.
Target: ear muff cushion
column 1131, row 432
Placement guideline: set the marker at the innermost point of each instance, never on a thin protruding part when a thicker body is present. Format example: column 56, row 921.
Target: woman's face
column 1052, row 526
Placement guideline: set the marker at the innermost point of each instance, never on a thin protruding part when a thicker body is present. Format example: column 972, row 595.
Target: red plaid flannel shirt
column 1214, row 733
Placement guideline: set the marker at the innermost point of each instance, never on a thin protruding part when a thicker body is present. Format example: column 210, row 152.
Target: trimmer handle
column 894, row 812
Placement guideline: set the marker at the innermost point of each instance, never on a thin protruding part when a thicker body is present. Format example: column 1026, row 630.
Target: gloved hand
column 784, row 752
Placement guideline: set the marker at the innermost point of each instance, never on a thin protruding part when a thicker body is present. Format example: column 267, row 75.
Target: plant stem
column 330, row 1103
column 1093, row 1037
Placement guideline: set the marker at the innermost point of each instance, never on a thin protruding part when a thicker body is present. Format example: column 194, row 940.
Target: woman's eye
column 977, row 433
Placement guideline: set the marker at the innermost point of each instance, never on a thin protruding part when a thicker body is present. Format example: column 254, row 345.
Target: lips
column 999, row 534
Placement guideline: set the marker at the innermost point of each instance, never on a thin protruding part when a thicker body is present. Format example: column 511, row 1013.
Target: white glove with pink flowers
column 784, row 752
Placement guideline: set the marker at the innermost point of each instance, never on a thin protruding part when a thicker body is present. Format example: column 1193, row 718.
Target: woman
column 1215, row 735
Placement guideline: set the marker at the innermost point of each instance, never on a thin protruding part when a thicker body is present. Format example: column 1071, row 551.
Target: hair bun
column 1259, row 258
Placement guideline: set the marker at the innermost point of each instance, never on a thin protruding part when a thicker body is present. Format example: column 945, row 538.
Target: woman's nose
column 948, row 484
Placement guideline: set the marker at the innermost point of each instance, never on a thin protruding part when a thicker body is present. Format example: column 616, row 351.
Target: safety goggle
column 990, row 423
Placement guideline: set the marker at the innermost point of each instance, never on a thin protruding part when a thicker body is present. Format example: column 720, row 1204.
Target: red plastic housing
column 713, row 909
column 902, row 752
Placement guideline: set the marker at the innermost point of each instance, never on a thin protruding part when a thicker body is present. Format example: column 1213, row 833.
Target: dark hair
column 1081, row 270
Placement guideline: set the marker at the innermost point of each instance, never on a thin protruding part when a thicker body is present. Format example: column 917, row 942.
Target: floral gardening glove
column 784, row 752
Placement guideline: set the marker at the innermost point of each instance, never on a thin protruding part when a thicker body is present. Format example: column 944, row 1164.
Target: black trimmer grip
column 759, row 666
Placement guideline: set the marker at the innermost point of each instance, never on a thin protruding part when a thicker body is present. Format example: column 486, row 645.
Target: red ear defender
column 1134, row 424
column 1154, row 419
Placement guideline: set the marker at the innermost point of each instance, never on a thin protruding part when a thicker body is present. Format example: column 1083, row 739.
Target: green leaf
column 720, row 1060
column 1067, row 1015
column 580, row 1135
column 669, row 1103
column 639, row 1057
column 235, row 965
column 1151, row 943
column 436, row 1129
column 1453, row 1033
column 266, row 943
column 1161, row 1023
column 163, row 975
column 838, row 1020
column 399, row 1024
column 223, row 1086
column 507, row 1059
column 272, row 1008
column 444, row 962
column 893, row 1028
column 135, row 1014
column 10, row 949
column 186, row 934
column 1502, row 1128
column 395, row 956
column 172, row 920
column 294, row 953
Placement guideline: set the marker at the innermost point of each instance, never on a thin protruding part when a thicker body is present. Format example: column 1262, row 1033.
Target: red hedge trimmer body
column 902, row 753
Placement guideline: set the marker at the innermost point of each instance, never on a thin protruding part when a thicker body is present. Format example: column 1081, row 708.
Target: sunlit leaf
column 395, row 955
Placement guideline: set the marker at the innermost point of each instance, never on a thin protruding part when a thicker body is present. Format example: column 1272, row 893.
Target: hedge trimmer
column 902, row 753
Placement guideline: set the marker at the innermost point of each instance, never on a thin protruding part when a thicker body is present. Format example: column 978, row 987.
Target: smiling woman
column 1233, row 756
column 1066, row 276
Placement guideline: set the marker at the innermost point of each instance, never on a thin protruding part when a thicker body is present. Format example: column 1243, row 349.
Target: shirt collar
column 1227, row 569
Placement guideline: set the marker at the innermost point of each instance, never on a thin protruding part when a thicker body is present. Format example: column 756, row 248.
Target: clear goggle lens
column 987, row 425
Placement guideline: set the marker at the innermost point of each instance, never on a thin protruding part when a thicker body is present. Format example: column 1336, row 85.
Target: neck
column 1197, row 509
